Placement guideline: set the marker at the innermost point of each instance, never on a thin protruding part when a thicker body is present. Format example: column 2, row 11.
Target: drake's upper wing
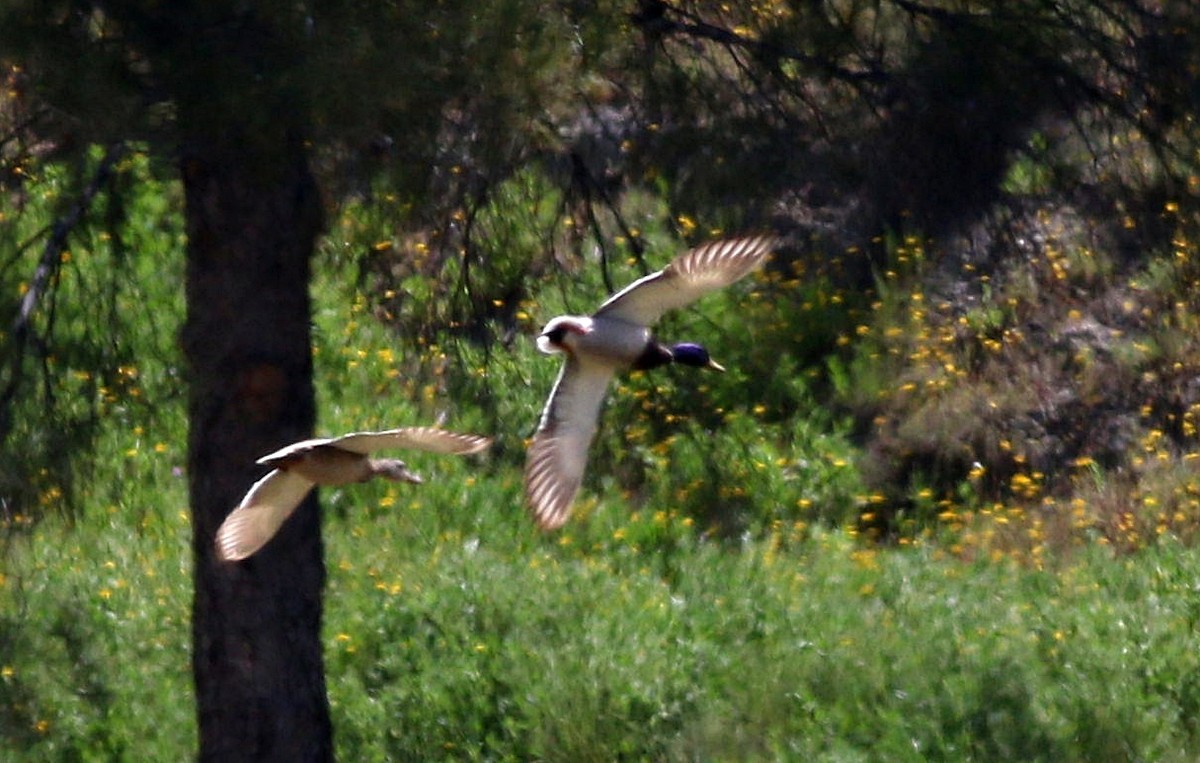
column 263, row 510
column 689, row 277
column 557, row 456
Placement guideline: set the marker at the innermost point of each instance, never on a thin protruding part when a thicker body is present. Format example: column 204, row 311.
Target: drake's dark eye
column 556, row 334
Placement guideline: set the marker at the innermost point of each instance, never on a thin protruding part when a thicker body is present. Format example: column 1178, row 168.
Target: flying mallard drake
column 615, row 338
column 328, row 461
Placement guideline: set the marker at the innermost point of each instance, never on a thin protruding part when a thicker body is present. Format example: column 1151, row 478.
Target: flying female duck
column 331, row 461
column 615, row 338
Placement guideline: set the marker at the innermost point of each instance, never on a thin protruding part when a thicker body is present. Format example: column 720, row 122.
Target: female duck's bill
column 617, row 337
column 328, row 461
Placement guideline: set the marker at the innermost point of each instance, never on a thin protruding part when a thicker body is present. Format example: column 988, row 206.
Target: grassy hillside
column 742, row 580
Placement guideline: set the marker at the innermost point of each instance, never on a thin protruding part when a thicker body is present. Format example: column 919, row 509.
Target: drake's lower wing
column 267, row 505
column 557, row 456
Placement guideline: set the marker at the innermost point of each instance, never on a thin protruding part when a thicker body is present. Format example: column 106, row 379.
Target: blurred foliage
column 839, row 119
column 82, row 348
column 636, row 632
column 914, row 152
column 950, row 175
column 977, row 347
column 1053, row 407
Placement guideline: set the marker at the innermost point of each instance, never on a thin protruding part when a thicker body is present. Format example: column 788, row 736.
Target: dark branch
column 658, row 18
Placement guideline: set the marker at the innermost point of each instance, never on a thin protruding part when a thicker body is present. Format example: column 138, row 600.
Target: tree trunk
column 252, row 220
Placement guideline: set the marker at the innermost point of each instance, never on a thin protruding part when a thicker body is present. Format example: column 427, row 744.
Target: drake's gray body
column 610, row 341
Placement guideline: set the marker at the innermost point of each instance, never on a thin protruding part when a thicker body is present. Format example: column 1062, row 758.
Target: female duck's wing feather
column 557, row 456
column 418, row 438
column 267, row 505
column 690, row 276
column 295, row 449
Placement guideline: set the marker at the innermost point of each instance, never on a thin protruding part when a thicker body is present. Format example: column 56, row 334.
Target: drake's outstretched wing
column 690, row 276
column 557, row 456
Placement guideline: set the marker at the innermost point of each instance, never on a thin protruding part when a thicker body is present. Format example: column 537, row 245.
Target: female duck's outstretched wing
column 690, row 276
column 288, row 452
column 269, row 503
column 557, row 456
column 419, row 438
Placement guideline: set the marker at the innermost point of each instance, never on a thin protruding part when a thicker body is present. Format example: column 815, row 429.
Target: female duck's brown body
column 343, row 460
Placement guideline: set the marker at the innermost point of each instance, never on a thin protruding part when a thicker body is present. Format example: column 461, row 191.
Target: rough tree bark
column 252, row 220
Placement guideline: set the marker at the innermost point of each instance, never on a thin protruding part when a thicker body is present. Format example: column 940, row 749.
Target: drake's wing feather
column 267, row 505
column 429, row 439
column 689, row 276
column 557, row 456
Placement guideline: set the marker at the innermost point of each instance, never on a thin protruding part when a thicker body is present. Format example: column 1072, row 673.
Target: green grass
column 94, row 618
column 462, row 634
column 826, row 654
